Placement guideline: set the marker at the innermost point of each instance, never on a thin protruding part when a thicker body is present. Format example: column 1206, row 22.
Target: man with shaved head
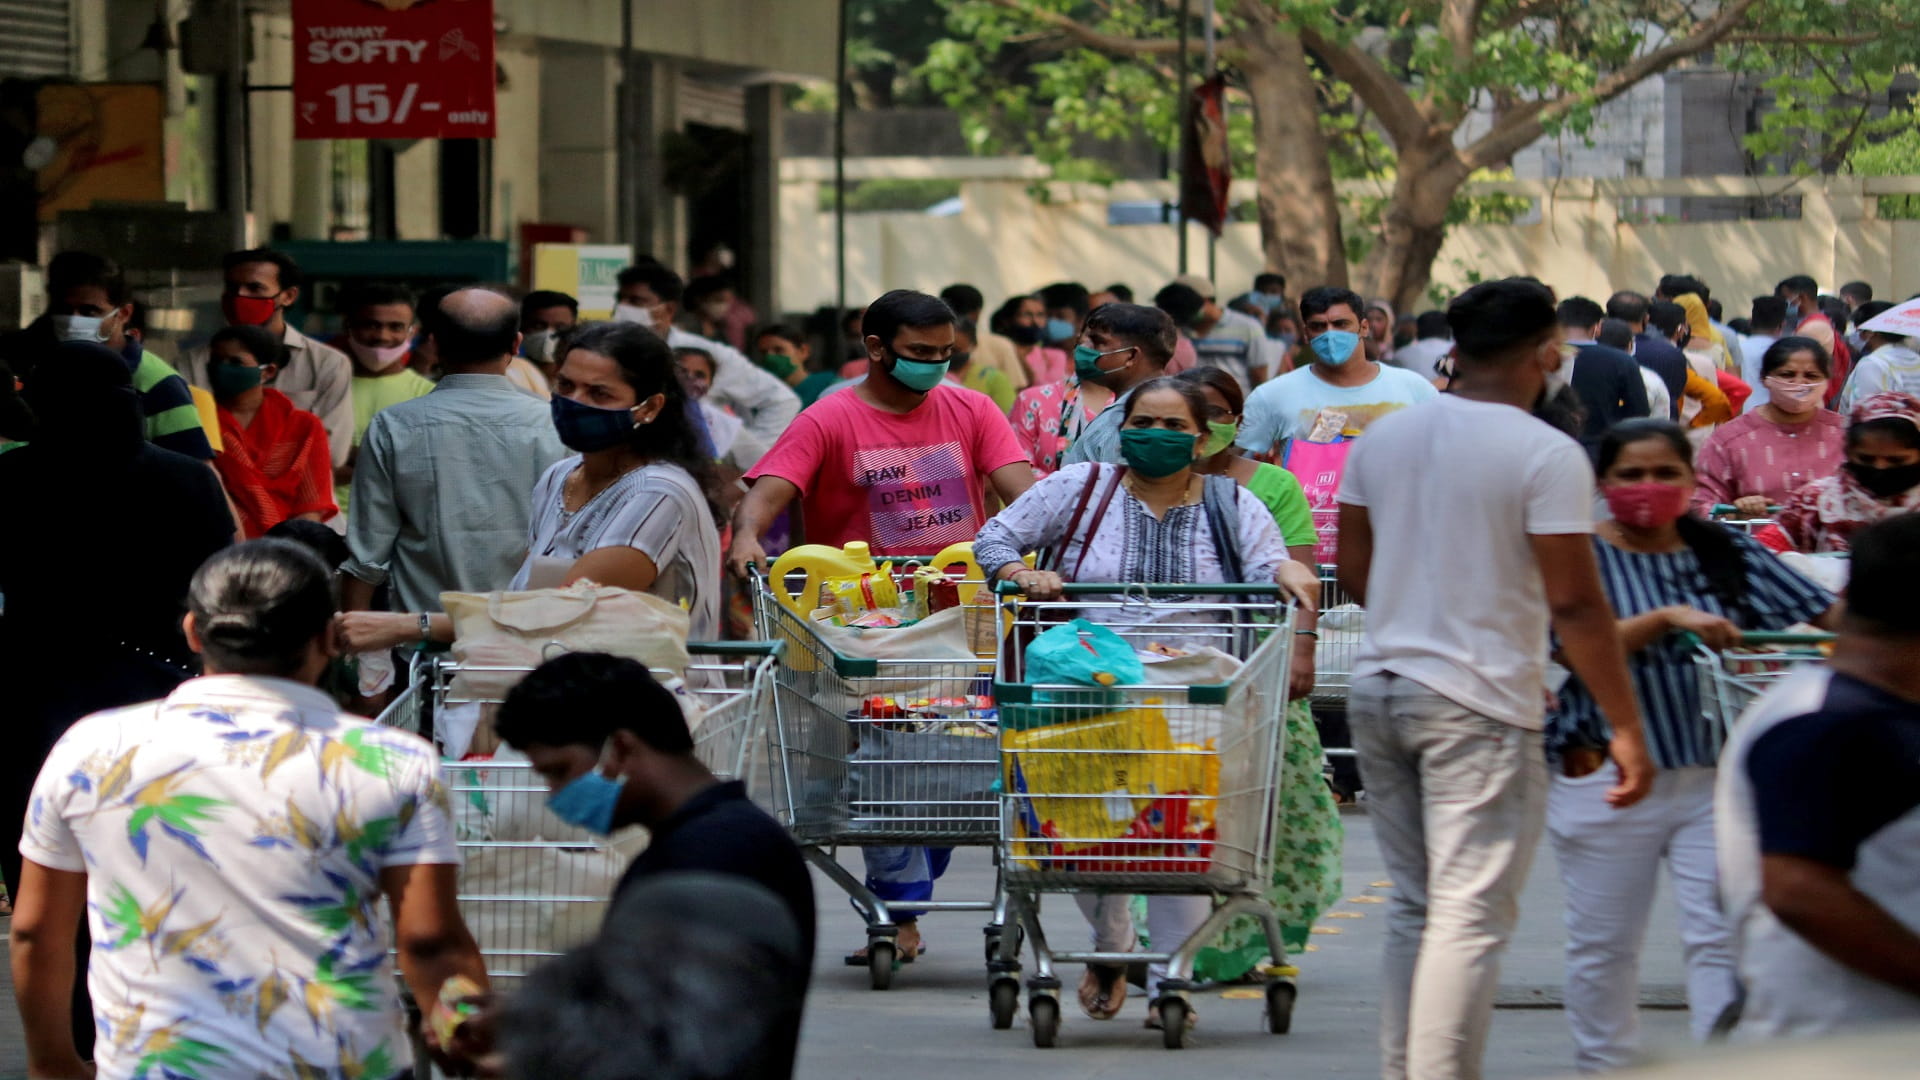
column 443, row 487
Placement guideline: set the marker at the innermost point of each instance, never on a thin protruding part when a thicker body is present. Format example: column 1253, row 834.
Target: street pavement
column 933, row 1024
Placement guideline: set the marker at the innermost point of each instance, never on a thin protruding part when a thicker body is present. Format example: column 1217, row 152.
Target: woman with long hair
column 631, row 509
column 1666, row 573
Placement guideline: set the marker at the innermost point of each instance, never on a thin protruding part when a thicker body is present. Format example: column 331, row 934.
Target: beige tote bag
column 499, row 637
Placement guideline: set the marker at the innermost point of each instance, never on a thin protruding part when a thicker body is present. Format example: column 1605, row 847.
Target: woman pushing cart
column 1152, row 523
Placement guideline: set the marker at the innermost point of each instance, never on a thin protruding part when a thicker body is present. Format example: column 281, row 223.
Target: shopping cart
column 857, row 763
column 531, row 885
column 1732, row 679
column 1729, row 515
column 1162, row 789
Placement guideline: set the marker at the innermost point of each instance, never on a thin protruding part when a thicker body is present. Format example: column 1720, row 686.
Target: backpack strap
column 1220, row 495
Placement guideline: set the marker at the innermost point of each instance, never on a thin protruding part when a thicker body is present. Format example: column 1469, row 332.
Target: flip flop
column 1103, row 991
column 858, row 957
column 1153, row 1017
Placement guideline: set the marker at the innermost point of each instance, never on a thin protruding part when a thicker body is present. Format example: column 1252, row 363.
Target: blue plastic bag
column 1081, row 653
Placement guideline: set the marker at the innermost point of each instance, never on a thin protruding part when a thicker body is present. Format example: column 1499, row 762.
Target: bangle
column 426, row 628
column 1314, row 634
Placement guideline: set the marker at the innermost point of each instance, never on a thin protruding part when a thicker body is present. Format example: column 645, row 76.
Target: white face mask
column 629, row 313
column 379, row 357
column 79, row 328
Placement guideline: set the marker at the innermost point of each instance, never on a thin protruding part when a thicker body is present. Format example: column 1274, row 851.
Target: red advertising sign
column 393, row 69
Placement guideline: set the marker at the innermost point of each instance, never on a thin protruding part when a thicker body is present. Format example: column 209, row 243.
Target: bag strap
column 1093, row 526
column 1220, row 495
column 1057, row 554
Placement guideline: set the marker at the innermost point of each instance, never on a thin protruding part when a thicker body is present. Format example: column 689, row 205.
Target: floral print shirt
column 233, row 836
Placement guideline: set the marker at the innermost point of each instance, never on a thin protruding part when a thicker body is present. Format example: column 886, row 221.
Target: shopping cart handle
column 1095, row 588
column 1768, row 637
column 1724, row 509
column 736, row 648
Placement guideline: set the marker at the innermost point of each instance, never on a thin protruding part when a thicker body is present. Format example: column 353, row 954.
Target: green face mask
column 917, row 374
column 776, row 365
column 232, row 380
column 1219, row 437
column 1157, row 452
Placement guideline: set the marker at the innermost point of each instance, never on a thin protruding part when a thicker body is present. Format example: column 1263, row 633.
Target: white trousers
column 1457, row 801
column 1609, row 862
column 1170, row 921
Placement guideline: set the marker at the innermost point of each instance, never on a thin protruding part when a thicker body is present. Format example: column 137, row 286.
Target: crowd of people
column 1520, row 489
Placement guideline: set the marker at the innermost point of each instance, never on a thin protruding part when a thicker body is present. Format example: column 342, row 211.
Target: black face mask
column 1025, row 335
column 1888, row 482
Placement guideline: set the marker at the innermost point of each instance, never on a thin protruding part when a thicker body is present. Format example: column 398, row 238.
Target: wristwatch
column 426, row 628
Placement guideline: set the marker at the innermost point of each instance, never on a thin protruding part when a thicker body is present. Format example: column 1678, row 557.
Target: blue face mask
column 918, row 375
column 1059, row 330
column 1793, row 313
column 588, row 800
column 586, row 428
column 1264, row 301
column 1336, row 347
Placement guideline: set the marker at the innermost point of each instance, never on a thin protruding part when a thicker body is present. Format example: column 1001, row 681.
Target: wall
column 1005, row 241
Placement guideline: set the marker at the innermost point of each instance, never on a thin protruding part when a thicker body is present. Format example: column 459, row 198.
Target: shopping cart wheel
column 1044, row 1013
column 1280, row 998
column 1173, row 1022
column 1003, row 998
column 880, row 956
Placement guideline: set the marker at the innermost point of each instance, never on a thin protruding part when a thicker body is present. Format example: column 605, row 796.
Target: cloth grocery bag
column 516, row 631
column 1318, row 467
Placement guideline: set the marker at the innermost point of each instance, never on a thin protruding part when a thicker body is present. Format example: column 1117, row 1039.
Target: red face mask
column 248, row 310
column 1647, row 505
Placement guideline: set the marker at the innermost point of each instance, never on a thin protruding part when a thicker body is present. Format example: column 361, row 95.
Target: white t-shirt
column 1285, row 408
column 1455, row 599
column 1821, row 768
column 1752, row 348
column 1420, row 356
column 233, row 837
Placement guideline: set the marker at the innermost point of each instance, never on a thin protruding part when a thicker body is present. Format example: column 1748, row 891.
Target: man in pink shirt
column 900, row 461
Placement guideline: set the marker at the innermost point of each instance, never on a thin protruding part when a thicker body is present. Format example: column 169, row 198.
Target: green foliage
column 886, row 41
column 866, row 195
column 1895, row 156
column 1828, row 66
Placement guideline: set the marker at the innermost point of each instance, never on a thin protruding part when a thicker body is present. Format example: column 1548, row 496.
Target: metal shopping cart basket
column 1732, row 679
column 884, row 753
column 531, row 885
column 1729, row 515
column 1153, row 789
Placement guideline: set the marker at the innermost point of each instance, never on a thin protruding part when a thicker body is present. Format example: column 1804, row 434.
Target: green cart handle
column 1725, row 509
column 737, row 648
column 1094, row 588
column 1769, row 637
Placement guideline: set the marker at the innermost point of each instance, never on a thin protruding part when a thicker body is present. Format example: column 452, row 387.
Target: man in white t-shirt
column 1462, row 568
column 1818, row 815
column 1341, row 391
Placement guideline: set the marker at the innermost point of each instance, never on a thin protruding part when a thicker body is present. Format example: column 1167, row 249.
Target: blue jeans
column 904, row 873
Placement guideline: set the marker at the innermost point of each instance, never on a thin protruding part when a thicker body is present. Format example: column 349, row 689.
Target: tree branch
column 1528, row 122
column 1373, row 84
column 1815, row 39
column 1460, row 23
column 1116, row 44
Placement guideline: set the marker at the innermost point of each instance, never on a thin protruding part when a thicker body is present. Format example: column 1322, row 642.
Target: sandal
column 1103, row 991
column 858, row 957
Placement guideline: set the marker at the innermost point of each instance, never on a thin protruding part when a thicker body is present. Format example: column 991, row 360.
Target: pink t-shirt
column 1048, row 365
column 1184, row 357
column 908, row 484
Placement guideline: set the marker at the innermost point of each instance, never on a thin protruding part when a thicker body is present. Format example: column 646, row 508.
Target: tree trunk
column 1400, row 265
column 1299, row 211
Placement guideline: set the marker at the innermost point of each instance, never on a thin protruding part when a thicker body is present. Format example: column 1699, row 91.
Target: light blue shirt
column 1752, row 348
column 443, row 489
column 1285, row 408
column 1100, row 439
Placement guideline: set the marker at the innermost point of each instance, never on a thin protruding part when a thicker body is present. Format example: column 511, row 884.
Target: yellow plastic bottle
column 958, row 558
column 819, row 562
